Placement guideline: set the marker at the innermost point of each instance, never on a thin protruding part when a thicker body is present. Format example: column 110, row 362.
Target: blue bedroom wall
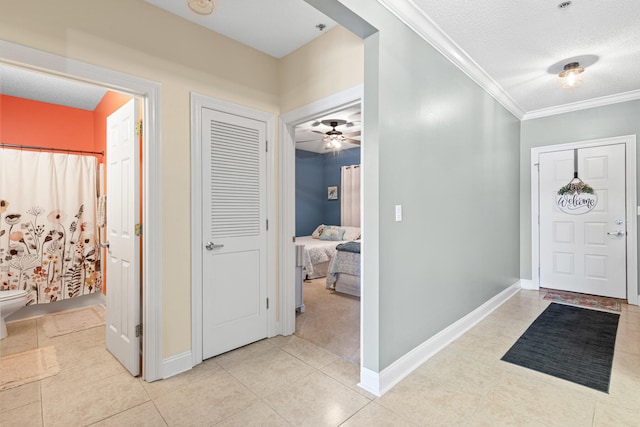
column 314, row 173
column 309, row 192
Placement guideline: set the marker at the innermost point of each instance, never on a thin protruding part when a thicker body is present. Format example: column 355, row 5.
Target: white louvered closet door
column 234, row 303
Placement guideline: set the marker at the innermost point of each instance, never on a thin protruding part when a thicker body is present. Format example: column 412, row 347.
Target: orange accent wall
column 27, row 122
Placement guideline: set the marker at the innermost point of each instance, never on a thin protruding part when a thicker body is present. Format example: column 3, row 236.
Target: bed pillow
column 318, row 231
column 351, row 233
column 331, row 232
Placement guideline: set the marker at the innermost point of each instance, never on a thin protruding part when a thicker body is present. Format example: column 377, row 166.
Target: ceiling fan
column 334, row 138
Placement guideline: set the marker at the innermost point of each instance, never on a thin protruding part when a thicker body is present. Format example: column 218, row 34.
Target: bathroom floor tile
column 92, row 401
column 19, row 396
column 25, row 416
column 20, row 337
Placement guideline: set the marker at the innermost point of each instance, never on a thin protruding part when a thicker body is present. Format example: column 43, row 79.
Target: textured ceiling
column 275, row 27
column 46, row 88
column 522, row 45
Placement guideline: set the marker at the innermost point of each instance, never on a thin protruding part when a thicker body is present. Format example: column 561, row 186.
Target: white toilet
column 10, row 302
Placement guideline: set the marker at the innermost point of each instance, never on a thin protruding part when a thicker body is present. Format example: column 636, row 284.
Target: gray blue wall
column 593, row 123
column 445, row 150
column 314, row 173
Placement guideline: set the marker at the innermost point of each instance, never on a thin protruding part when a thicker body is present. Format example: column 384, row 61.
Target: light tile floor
column 290, row 381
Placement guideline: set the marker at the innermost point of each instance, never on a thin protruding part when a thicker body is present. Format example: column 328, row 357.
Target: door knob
column 211, row 246
column 617, row 233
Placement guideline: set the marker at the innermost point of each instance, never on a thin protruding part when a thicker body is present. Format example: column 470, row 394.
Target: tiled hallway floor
column 289, row 381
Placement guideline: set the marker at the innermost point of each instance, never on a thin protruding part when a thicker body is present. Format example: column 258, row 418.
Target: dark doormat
column 572, row 343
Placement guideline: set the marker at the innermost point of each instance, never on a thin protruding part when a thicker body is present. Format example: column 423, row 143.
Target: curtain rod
column 62, row 150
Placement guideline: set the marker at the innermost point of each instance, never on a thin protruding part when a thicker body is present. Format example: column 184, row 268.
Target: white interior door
column 584, row 253
column 123, row 254
column 234, row 289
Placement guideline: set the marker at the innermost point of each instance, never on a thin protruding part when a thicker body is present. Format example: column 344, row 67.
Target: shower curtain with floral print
column 48, row 204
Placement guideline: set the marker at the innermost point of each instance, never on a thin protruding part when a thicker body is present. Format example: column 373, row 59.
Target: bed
column 318, row 252
column 343, row 274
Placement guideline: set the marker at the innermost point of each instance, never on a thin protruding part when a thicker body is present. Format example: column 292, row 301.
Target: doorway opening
column 350, row 101
column 121, row 85
column 327, row 200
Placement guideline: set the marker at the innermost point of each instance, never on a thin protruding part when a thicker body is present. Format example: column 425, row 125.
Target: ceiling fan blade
column 309, row 140
column 317, row 131
column 351, row 134
column 353, row 141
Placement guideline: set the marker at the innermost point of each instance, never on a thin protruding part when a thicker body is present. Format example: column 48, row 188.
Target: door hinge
column 267, row 225
column 138, row 229
column 266, row 146
column 139, row 330
column 139, row 128
column 267, row 303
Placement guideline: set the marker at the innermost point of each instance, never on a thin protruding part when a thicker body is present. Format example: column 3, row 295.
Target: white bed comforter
column 316, row 251
column 343, row 262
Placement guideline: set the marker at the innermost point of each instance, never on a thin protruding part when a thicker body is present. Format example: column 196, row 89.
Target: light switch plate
column 398, row 212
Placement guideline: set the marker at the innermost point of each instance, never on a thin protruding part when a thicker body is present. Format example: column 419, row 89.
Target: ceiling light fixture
column 201, row 7
column 334, row 141
column 570, row 75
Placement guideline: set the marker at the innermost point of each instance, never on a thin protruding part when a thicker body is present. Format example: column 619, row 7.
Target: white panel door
column 584, row 253
column 234, row 289
column 123, row 253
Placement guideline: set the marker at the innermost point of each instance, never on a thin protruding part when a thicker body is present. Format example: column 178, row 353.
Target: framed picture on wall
column 332, row 192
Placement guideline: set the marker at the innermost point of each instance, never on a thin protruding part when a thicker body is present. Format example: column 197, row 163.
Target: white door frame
column 631, row 209
column 40, row 61
column 287, row 189
column 197, row 103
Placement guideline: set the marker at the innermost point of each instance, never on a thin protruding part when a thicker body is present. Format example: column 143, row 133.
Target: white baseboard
column 528, row 284
column 370, row 381
column 380, row 383
column 176, row 364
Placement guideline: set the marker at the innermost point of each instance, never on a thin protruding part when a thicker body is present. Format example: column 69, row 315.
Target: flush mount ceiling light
column 570, row 75
column 202, row 7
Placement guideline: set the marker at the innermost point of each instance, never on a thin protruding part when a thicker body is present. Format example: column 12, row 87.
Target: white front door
column 584, row 252
column 234, row 289
column 123, row 253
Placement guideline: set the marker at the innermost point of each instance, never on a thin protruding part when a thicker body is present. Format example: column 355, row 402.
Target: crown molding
column 421, row 24
column 583, row 105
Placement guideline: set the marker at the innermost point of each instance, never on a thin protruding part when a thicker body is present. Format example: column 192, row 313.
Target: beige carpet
column 331, row 320
column 70, row 321
column 28, row 366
